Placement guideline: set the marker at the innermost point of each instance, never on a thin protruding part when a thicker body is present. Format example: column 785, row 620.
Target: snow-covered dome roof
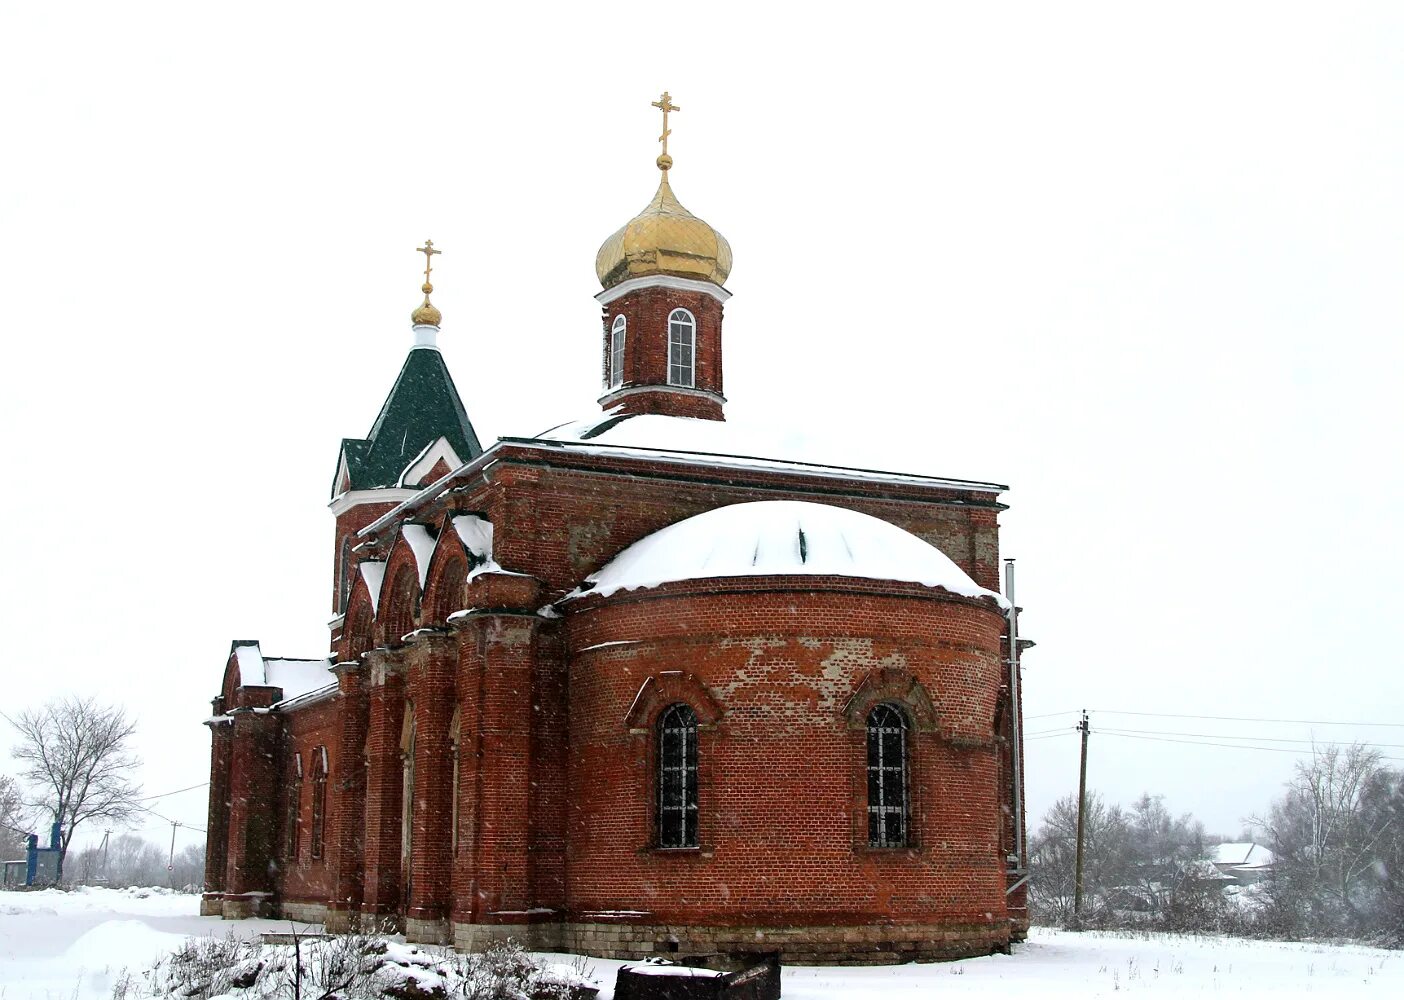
column 781, row 538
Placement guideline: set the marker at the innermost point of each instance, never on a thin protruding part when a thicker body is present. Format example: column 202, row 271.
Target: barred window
column 887, row 777
column 677, row 777
column 616, row 352
column 319, row 799
column 682, row 330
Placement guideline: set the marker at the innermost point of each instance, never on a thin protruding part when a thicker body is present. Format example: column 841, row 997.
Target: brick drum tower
column 618, row 688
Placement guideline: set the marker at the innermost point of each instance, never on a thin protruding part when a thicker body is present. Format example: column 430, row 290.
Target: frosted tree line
column 1336, row 835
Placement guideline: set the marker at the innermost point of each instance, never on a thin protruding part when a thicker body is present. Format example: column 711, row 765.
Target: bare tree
column 78, row 763
column 1052, row 852
column 1160, row 850
column 1326, row 840
column 12, row 832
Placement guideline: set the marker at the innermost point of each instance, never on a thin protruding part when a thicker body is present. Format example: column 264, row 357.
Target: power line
column 167, row 819
column 1199, row 743
column 1049, row 715
column 1259, row 739
column 163, row 795
column 1246, row 718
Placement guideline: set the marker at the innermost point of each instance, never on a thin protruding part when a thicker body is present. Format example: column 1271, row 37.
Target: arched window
column 448, row 591
column 455, row 735
column 616, row 352
column 887, row 777
column 319, row 799
column 677, row 777
column 294, row 818
column 343, row 578
column 408, row 735
column 398, row 616
column 682, row 331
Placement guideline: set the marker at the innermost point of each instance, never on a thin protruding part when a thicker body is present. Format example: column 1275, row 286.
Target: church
column 628, row 688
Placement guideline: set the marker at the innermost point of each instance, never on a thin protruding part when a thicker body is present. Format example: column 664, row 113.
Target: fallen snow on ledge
column 782, row 538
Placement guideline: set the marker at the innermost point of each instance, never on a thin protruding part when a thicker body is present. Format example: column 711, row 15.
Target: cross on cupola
column 427, row 314
column 665, row 104
column 662, row 273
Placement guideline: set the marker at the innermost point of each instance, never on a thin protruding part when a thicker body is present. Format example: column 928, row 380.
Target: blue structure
column 42, row 864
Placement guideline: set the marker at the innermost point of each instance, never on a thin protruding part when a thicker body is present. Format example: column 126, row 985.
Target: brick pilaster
column 253, row 771
column 347, row 844
column 494, row 876
column 381, row 889
column 431, row 665
column 217, row 825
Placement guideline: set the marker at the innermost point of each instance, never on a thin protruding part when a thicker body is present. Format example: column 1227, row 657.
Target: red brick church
column 626, row 687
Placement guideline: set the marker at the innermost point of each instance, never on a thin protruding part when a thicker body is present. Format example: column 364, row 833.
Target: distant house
column 1244, row 863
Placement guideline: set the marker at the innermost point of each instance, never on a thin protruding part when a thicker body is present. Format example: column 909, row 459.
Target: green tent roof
column 423, row 406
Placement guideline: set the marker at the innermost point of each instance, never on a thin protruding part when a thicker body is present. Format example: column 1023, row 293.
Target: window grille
column 616, row 352
column 682, row 330
column 677, row 778
column 887, row 777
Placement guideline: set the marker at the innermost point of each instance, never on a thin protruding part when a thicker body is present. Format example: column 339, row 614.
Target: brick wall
column 782, row 780
column 646, row 311
column 303, row 875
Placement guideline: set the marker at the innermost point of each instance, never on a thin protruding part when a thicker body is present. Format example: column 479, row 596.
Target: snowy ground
column 72, row 946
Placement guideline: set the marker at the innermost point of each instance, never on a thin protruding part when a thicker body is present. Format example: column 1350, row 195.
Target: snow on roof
column 476, row 534
column 373, row 572
column 295, row 677
column 421, row 543
column 781, row 538
column 1242, row 855
column 801, row 449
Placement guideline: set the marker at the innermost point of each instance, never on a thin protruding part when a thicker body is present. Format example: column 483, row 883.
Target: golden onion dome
column 664, row 238
column 427, row 314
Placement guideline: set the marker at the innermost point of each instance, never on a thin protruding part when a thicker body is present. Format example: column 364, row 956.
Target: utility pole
column 170, row 865
column 1081, row 809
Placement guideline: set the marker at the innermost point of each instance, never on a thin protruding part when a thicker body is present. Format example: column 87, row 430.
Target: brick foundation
column 304, row 912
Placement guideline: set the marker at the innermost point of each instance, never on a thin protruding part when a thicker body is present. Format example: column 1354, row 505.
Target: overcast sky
column 1140, row 262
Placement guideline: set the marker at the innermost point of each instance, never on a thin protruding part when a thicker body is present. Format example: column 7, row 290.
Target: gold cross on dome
column 665, row 104
column 428, row 251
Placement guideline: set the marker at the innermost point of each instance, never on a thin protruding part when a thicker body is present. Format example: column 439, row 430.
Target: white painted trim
column 682, row 390
column 717, row 292
column 426, row 336
column 343, row 502
column 421, row 464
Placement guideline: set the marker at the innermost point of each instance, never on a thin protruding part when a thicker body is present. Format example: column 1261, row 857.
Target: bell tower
column 661, row 306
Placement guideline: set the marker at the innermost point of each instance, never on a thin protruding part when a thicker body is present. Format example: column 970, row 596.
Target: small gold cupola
column 664, row 238
column 427, row 314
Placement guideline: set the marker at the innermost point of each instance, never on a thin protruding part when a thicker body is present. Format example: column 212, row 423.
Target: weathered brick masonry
column 482, row 754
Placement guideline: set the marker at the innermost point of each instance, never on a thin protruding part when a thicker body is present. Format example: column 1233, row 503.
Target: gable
column 437, row 460
column 423, row 408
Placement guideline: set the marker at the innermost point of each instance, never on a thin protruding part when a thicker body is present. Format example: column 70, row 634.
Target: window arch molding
column 659, row 691
column 896, row 685
column 618, row 336
column 397, row 605
column 443, row 592
column 682, row 348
